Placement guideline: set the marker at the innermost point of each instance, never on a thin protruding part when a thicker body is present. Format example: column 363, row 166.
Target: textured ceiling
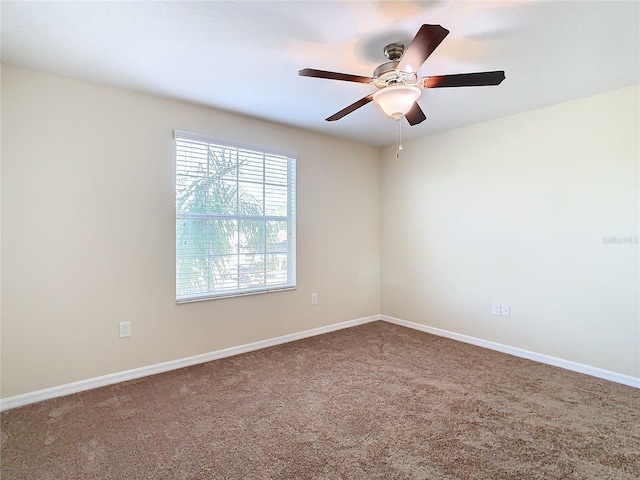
column 244, row 56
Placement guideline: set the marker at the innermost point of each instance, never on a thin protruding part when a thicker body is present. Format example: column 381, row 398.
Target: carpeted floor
column 376, row 401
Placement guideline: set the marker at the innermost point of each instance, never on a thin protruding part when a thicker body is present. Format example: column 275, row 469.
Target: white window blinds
column 235, row 219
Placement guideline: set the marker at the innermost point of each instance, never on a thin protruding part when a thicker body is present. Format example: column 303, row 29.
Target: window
column 235, row 219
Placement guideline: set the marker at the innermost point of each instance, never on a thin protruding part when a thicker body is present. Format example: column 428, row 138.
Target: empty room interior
column 320, row 240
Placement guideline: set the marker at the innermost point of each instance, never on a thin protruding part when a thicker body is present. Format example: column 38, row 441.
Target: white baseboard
column 91, row 383
column 518, row 352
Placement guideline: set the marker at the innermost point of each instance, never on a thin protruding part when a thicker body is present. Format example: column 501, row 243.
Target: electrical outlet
column 506, row 310
column 496, row 309
column 125, row 329
column 314, row 299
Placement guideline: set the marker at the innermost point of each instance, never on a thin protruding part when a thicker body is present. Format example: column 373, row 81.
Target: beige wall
column 88, row 233
column 510, row 211
column 515, row 211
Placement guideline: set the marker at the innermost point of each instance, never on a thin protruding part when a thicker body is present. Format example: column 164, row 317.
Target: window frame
column 290, row 219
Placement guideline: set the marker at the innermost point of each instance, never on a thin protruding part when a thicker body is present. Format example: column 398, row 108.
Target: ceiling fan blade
column 350, row 108
column 415, row 115
column 311, row 72
column 478, row 79
column 423, row 44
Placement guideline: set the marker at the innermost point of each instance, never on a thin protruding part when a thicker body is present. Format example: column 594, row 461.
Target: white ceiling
column 244, row 56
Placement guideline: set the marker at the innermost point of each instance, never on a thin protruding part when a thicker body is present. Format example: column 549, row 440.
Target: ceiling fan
column 397, row 80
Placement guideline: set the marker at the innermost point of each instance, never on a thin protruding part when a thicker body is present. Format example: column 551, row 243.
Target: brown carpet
column 376, row 401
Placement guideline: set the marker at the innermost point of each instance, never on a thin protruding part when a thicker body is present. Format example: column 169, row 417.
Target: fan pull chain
column 399, row 136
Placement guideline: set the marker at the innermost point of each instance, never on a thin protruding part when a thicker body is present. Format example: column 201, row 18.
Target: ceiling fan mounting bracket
column 394, row 51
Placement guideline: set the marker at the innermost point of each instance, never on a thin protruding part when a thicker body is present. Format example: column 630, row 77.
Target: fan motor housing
column 385, row 69
column 388, row 74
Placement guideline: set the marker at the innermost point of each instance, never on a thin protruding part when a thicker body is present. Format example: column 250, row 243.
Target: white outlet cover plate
column 125, row 329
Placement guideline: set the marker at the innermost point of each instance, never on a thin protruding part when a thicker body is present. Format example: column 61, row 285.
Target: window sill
column 204, row 298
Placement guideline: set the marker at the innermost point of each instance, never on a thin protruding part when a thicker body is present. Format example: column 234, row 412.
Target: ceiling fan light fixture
column 397, row 100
